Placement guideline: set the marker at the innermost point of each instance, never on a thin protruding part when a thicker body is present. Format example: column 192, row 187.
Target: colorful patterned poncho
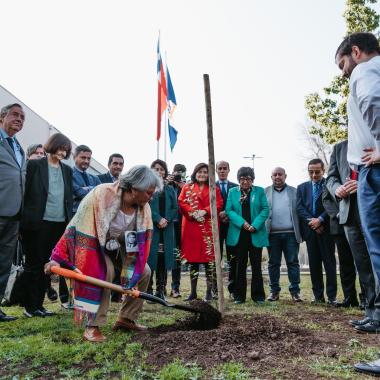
column 82, row 245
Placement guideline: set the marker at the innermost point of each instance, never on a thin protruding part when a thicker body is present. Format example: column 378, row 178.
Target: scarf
column 244, row 197
column 83, row 244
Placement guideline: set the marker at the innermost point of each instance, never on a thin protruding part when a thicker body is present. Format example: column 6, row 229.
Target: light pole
column 252, row 158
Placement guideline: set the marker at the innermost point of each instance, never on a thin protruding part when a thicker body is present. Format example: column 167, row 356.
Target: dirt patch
column 266, row 344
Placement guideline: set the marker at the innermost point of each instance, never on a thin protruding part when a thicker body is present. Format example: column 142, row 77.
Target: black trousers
column 321, row 250
column 223, row 231
column 239, row 261
column 161, row 275
column 8, row 243
column 38, row 247
column 346, row 268
column 362, row 260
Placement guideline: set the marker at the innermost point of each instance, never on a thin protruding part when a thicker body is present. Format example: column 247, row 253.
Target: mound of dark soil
column 267, row 344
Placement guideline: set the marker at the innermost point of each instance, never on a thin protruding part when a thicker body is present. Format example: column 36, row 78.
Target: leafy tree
column 328, row 111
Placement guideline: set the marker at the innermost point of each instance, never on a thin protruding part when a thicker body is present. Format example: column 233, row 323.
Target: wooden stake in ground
column 214, row 212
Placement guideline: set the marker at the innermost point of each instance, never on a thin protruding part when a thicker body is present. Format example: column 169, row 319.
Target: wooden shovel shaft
column 94, row 281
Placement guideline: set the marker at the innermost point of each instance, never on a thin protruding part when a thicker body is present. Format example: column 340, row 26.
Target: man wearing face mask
column 358, row 57
column 314, row 223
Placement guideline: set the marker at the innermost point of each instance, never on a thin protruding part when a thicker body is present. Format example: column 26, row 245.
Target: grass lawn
column 52, row 348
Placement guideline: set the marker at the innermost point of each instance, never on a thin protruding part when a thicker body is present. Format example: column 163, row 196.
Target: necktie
column 224, row 190
column 316, row 187
column 85, row 178
column 11, row 143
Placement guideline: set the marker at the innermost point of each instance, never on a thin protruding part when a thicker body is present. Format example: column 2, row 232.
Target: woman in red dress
column 196, row 241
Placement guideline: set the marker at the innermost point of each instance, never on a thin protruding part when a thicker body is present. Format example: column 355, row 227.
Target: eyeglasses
column 315, row 172
column 245, row 179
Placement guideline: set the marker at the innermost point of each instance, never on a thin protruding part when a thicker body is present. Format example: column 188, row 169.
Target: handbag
column 14, row 292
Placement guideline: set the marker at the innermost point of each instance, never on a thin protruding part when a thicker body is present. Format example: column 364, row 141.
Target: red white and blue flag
column 172, row 103
column 162, row 91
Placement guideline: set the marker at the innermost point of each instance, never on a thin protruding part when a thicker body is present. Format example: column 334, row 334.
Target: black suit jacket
column 36, row 193
column 305, row 207
column 230, row 185
column 223, row 228
column 105, row 178
column 339, row 170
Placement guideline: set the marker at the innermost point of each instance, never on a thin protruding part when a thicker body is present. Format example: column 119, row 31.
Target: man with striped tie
column 314, row 223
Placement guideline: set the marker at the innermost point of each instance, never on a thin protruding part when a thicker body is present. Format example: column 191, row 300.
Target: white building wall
column 36, row 130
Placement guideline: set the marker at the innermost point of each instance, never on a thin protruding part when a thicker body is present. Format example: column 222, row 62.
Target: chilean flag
column 162, row 91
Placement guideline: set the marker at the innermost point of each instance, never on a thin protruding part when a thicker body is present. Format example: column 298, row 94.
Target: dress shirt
column 363, row 109
column 16, row 147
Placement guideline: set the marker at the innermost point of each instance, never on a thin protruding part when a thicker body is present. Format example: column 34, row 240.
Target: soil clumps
column 266, row 344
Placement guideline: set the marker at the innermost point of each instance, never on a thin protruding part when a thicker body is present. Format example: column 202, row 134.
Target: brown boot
column 93, row 334
column 128, row 325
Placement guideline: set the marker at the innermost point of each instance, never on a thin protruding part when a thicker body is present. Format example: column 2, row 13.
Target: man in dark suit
column 347, row 269
column 83, row 182
column 12, row 177
column 342, row 185
column 315, row 231
column 115, row 166
column 222, row 170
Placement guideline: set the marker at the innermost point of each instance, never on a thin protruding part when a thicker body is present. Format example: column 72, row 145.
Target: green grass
column 54, row 347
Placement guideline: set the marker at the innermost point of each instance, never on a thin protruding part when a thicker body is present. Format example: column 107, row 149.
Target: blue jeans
column 369, row 209
column 287, row 243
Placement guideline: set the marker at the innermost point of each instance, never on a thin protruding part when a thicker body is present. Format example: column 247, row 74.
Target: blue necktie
column 316, row 187
column 224, row 190
column 11, row 143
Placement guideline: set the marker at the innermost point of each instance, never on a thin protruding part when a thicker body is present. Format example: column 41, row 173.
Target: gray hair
column 141, row 178
column 4, row 111
column 32, row 149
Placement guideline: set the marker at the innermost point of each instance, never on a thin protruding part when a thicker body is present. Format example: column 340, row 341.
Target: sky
column 89, row 68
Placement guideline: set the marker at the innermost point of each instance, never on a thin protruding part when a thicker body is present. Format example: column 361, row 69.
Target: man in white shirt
column 358, row 56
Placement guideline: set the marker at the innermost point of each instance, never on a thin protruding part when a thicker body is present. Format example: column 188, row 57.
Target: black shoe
column 316, row 301
column 191, row 297
column 47, row 313
column 51, row 294
column 35, row 313
column 332, row 302
column 160, row 295
column 346, row 303
column 273, row 297
column 296, row 297
column 360, row 322
column 175, row 294
column 371, row 368
column 6, row 318
column 372, row 327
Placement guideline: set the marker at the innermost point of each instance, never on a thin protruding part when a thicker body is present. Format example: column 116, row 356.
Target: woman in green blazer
column 247, row 208
column 164, row 208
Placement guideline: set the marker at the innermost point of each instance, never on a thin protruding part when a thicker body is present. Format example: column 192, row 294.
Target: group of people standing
column 67, row 216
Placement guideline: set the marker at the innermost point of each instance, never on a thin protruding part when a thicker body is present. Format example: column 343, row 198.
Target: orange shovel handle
column 94, row 281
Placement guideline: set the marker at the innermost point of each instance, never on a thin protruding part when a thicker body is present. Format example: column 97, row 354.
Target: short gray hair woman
column 105, row 216
column 140, row 178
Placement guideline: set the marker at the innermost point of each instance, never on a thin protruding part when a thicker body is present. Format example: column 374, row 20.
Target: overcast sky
column 89, row 68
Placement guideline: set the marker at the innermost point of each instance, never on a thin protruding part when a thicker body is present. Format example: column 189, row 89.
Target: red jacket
column 196, row 237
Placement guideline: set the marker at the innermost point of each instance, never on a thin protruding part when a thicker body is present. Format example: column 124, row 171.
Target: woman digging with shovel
column 94, row 243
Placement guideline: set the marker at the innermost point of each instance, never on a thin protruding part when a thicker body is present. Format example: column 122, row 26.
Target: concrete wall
column 37, row 130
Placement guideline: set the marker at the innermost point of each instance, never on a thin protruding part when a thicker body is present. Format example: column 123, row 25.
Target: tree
column 329, row 111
